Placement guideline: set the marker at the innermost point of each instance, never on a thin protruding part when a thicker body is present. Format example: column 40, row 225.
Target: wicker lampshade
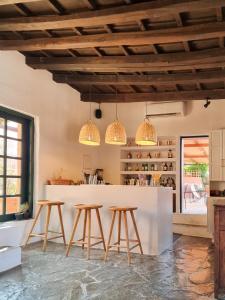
column 146, row 134
column 89, row 134
column 116, row 134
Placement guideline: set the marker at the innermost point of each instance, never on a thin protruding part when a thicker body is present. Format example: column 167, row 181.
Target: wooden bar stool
column 123, row 210
column 87, row 219
column 44, row 235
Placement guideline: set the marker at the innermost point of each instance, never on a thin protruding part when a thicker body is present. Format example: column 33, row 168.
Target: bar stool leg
column 127, row 237
column 89, row 234
column 100, row 227
column 136, row 231
column 73, row 232
column 119, row 230
column 61, row 224
column 34, row 223
column 110, row 235
column 46, row 227
column 85, row 225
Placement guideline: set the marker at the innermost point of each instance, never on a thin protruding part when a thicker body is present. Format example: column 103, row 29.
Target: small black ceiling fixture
column 207, row 102
column 98, row 113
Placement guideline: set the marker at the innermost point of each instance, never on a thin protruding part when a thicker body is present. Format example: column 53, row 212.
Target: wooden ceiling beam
column 167, row 79
column 217, row 94
column 8, row 2
column 171, row 35
column 161, row 62
column 124, row 13
column 90, row 4
column 57, row 7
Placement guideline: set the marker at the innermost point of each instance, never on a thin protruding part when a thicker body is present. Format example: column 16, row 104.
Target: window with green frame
column 16, row 162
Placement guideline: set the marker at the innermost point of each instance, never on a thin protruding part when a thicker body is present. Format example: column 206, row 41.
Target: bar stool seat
column 137, row 243
column 125, row 208
column 48, row 204
column 86, row 208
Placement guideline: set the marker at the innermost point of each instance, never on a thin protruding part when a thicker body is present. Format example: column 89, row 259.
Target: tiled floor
column 184, row 272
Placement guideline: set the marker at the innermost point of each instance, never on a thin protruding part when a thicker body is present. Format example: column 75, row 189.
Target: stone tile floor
column 184, row 272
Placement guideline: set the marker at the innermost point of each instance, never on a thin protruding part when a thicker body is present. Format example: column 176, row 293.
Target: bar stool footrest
column 117, row 245
column 42, row 235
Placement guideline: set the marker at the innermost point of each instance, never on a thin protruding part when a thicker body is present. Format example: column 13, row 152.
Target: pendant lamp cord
column 90, row 110
column 90, row 90
column 116, row 105
column 146, row 110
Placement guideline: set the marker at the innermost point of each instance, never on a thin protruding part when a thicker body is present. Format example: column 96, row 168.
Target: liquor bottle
column 171, row 167
column 149, row 155
column 170, row 154
column 129, row 155
column 165, row 167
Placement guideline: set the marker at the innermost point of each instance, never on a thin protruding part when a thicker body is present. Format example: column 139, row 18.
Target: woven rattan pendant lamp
column 146, row 133
column 116, row 133
column 89, row 133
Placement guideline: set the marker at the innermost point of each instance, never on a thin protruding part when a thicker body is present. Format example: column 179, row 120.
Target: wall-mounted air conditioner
column 166, row 109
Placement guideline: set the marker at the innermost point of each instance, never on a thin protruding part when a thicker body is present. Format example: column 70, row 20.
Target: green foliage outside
column 200, row 168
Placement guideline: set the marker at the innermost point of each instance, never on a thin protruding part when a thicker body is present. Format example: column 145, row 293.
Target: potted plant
column 24, row 212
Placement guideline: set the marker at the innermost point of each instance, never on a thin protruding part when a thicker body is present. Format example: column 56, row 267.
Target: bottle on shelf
column 149, row 155
column 152, row 167
column 139, row 155
column 170, row 167
column 129, row 155
column 165, row 167
column 170, row 154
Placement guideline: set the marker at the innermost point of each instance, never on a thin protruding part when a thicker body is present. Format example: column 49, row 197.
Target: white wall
column 60, row 114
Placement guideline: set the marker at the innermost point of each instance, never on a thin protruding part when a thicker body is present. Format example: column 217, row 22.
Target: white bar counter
column 153, row 216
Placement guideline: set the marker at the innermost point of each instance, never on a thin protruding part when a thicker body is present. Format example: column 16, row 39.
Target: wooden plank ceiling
column 122, row 50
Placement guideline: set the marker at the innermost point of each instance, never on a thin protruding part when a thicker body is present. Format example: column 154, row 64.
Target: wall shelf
column 147, row 160
column 161, row 153
column 148, row 172
column 148, row 148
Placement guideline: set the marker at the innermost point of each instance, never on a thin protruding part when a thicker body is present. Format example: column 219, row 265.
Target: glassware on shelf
column 156, row 179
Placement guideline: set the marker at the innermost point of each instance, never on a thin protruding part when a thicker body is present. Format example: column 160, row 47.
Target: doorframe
column 180, row 167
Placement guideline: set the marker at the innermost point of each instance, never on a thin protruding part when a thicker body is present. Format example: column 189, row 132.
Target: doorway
column 194, row 174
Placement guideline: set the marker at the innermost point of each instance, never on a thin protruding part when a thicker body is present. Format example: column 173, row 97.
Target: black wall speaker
column 98, row 113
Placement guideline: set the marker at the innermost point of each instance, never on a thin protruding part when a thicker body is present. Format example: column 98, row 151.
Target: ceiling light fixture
column 116, row 133
column 146, row 133
column 89, row 133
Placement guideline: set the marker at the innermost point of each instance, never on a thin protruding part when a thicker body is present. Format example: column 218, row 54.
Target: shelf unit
column 137, row 162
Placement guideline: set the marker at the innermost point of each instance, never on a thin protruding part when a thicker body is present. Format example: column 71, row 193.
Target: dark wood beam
column 217, row 94
column 124, row 13
column 7, row 2
column 163, row 79
column 161, row 62
column 90, row 4
column 171, row 35
column 57, row 7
